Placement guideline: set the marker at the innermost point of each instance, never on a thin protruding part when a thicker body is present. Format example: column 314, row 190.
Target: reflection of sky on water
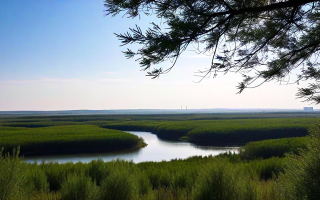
column 157, row 150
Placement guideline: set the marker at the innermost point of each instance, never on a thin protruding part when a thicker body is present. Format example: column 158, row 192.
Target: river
column 157, row 150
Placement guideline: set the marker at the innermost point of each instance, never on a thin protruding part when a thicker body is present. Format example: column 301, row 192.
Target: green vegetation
column 275, row 147
column 301, row 177
column 72, row 133
column 218, row 132
column 286, row 168
column 192, row 178
column 69, row 138
column 228, row 176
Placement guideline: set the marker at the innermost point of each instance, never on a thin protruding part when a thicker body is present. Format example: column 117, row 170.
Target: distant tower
column 186, row 109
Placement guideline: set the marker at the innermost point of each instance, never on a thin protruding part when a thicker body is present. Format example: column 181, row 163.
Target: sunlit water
column 157, row 150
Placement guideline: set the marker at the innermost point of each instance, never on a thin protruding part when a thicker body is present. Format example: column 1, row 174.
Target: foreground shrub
column 37, row 179
column 144, row 186
column 221, row 180
column 301, row 179
column 79, row 187
column 216, row 181
column 119, row 185
column 12, row 177
column 98, row 170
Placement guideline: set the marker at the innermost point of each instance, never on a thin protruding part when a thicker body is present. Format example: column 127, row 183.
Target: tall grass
column 301, row 179
column 214, row 129
column 57, row 139
column 198, row 178
column 228, row 176
column 193, row 178
column 219, row 132
column 274, row 147
column 80, row 187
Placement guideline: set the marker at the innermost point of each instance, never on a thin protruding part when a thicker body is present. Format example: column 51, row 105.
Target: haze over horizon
column 64, row 56
column 177, row 110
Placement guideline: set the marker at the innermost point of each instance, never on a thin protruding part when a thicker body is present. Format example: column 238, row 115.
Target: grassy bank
column 218, row 132
column 66, row 139
column 275, row 147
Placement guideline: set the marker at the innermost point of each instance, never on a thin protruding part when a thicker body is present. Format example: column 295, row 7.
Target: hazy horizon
column 177, row 109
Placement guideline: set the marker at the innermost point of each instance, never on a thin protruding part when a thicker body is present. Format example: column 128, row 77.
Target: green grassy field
column 68, row 138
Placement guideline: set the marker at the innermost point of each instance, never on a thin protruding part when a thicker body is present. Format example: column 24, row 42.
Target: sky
column 63, row 55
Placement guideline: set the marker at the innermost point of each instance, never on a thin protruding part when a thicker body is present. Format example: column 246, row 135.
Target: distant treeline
column 64, row 139
column 154, row 117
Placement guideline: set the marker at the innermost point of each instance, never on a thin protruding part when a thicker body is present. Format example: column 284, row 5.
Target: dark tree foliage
column 263, row 40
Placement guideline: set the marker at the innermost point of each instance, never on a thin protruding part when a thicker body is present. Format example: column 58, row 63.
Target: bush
column 12, row 177
column 301, row 179
column 37, row 179
column 144, row 186
column 98, row 171
column 119, row 185
column 216, row 181
column 79, row 187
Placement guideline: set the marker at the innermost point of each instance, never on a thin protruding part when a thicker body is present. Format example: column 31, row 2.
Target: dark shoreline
column 72, row 152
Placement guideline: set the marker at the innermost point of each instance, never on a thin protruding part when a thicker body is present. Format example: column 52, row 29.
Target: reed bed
column 66, row 139
column 219, row 132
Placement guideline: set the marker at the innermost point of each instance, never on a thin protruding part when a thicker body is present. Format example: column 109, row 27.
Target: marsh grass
column 64, row 139
column 80, row 187
column 219, row 132
column 216, row 129
column 301, row 179
column 274, row 147
column 223, row 177
column 13, row 177
column 227, row 176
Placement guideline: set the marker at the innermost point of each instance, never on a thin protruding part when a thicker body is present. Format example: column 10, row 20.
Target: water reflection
column 157, row 150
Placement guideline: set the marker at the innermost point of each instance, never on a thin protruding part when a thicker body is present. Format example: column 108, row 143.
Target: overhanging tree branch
column 269, row 38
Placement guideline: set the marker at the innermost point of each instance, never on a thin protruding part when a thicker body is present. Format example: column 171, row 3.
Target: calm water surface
column 157, row 150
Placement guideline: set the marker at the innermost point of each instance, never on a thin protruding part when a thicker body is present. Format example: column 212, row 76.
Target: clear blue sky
column 58, row 55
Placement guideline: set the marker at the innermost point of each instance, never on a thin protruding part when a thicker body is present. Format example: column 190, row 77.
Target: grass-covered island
column 66, row 139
